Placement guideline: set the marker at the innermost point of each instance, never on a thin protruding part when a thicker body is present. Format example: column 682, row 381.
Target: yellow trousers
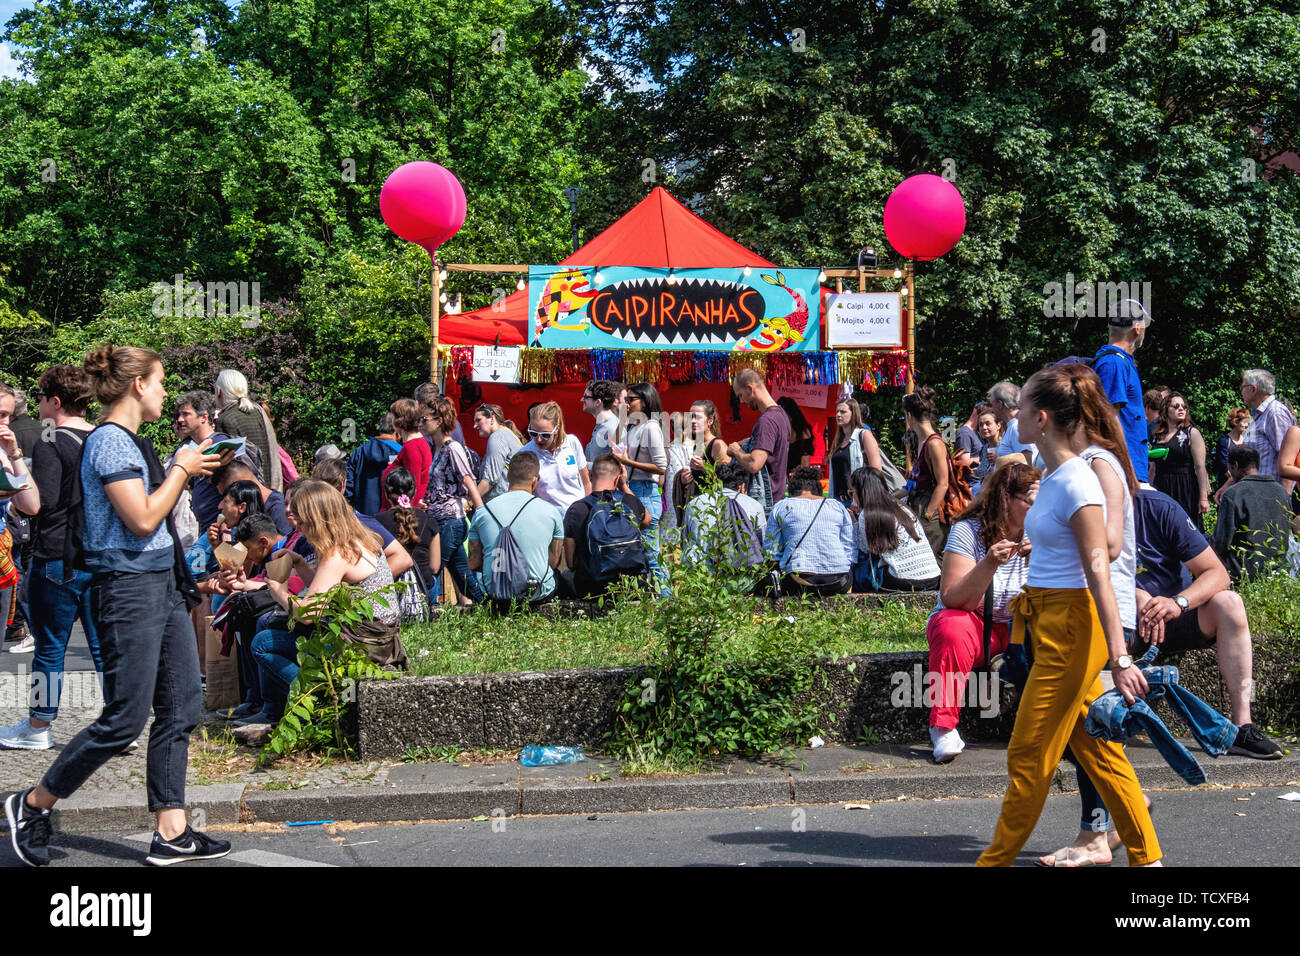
column 1069, row 653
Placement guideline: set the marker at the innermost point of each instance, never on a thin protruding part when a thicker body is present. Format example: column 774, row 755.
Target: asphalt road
column 1219, row 828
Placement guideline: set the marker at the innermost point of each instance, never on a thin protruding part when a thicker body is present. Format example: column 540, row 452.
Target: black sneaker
column 1251, row 743
column 190, row 845
column 29, row 829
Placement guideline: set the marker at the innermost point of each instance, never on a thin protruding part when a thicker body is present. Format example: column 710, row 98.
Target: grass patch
column 476, row 643
column 1272, row 605
column 447, row 754
column 217, row 755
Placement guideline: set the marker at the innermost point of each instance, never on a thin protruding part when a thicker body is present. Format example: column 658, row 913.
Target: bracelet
column 188, row 476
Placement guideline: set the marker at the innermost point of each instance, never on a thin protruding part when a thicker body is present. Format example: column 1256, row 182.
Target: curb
column 509, row 793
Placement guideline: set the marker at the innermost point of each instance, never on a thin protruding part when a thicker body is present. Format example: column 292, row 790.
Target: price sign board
column 856, row 320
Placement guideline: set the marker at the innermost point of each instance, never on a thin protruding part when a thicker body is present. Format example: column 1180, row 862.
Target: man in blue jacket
column 366, row 467
column 1118, row 371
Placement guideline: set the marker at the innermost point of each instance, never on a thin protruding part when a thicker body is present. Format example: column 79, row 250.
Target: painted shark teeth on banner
column 693, row 311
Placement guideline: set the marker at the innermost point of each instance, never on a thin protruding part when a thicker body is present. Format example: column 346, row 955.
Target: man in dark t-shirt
column 606, row 473
column 1184, row 603
column 771, row 436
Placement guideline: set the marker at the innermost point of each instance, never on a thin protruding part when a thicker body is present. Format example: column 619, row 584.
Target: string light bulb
column 520, row 284
column 442, row 276
column 898, row 273
column 748, row 270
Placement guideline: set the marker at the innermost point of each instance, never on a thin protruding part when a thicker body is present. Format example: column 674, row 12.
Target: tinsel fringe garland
column 869, row 370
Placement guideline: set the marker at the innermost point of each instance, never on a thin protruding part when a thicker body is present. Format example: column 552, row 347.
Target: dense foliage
column 1106, row 141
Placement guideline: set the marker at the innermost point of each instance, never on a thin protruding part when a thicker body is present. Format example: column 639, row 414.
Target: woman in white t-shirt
column 986, row 548
column 1068, row 617
column 892, row 552
column 563, row 477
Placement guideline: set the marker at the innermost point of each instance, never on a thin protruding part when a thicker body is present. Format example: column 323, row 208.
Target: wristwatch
column 1123, row 662
column 1182, row 602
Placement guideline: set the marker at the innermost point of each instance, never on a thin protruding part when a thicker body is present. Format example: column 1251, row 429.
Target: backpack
column 508, row 579
column 958, row 497
column 413, row 597
column 614, row 546
column 746, row 536
column 894, row 480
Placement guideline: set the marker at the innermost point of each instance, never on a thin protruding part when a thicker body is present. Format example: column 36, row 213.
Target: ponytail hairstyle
column 498, row 414
column 113, row 369
column 920, row 404
column 234, row 387
column 399, row 486
column 550, row 412
column 711, row 413
column 842, row 435
column 1073, row 397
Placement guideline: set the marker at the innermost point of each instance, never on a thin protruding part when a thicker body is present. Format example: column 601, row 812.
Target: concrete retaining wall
column 864, row 692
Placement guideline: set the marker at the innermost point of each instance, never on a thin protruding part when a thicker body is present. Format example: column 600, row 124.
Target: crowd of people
column 225, row 534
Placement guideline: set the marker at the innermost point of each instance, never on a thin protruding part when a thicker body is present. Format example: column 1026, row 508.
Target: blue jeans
column 150, row 662
column 55, row 606
column 649, row 495
column 276, row 653
column 454, row 559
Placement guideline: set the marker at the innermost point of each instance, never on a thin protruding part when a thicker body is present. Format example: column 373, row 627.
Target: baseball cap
column 325, row 452
column 1128, row 313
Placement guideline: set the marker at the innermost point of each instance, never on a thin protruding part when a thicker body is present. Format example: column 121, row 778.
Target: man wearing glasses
column 598, row 401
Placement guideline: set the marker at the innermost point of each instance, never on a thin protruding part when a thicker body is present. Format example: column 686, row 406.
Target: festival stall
column 663, row 297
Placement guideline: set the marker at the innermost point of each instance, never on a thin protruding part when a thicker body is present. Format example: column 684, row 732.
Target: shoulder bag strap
column 810, row 524
column 988, row 624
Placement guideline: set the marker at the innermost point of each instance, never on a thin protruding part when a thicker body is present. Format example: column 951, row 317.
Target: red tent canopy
column 659, row 232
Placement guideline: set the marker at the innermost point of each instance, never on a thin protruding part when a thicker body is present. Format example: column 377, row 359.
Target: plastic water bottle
column 535, row 756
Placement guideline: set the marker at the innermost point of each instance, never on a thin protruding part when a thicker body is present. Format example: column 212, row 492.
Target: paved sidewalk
column 224, row 787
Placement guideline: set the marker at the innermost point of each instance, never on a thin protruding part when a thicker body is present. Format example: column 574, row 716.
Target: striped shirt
column 826, row 548
column 1266, row 431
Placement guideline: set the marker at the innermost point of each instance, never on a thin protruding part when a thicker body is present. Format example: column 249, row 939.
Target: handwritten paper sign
column 492, row 364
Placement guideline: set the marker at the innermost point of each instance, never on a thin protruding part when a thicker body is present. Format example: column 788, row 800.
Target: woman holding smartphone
column 1068, row 616
column 139, row 590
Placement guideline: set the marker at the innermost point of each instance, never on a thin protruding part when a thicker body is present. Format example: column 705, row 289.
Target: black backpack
column 614, row 546
column 74, row 552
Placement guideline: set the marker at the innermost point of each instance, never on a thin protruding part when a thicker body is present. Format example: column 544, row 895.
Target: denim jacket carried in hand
column 1111, row 719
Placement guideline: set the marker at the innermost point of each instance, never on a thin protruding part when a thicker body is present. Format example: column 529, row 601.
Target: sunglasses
column 536, row 434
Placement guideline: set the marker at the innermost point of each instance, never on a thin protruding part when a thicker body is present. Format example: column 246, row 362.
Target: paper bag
column 223, row 681
column 280, row 567
column 230, row 556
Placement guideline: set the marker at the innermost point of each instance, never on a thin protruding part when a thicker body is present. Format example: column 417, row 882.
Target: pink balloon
column 924, row 217
column 423, row 203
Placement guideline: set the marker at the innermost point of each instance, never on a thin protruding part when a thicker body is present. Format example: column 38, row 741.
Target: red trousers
column 956, row 646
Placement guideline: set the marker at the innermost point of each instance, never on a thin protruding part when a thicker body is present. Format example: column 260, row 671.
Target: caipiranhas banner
column 769, row 310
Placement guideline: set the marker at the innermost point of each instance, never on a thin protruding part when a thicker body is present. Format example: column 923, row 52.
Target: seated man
column 273, row 501
column 1183, row 611
column 620, row 551
column 334, row 471
column 812, row 537
column 1254, row 519
column 536, row 525
column 704, row 545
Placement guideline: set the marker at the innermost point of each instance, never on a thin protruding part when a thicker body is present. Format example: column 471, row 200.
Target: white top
column 964, row 539
column 1056, row 562
column 645, row 442
column 912, row 560
column 559, row 479
column 1123, row 570
column 1011, row 444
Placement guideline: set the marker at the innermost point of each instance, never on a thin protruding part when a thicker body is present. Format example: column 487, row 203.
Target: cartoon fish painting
column 563, row 303
column 780, row 332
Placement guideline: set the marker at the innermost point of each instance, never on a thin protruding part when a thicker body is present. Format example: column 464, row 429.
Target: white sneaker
column 947, row 744
column 26, row 646
column 23, row 736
